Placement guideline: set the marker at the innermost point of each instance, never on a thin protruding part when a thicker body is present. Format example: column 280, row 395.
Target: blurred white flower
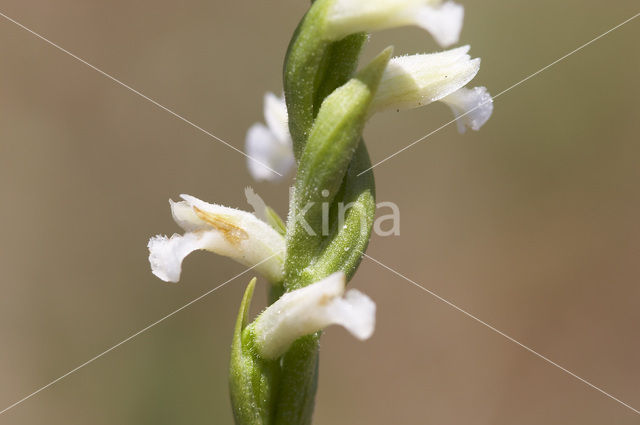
column 270, row 145
column 225, row 231
column 310, row 309
column 443, row 20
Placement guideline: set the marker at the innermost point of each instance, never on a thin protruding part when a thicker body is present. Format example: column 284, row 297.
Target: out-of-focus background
column 531, row 224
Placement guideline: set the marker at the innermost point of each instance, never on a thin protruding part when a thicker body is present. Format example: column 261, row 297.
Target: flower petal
column 264, row 148
column 417, row 80
column 356, row 312
column 471, row 107
column 443, row 22
column 310, row 309
column 166, row 254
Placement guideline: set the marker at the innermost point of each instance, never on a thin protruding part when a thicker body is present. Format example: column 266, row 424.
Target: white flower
column 310, row 309
column 225, row 231
column 472, row 107
column 417, row 80
column 270, row 145
column 442, row 20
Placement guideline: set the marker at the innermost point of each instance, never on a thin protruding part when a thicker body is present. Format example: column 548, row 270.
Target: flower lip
column 471, row 107
column 166, row 254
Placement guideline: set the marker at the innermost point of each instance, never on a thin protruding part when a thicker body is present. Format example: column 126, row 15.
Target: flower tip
column 190, row 199
column 163, row 260
column 361, row 321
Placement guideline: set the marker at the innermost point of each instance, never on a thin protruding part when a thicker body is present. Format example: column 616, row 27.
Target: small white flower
column 225, row 231
column 442, row 20
column 417, row 80
column 472, row 107
column 270, row 145
column 310, row 309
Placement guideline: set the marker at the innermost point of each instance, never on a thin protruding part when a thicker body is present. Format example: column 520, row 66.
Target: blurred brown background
column 531, row 224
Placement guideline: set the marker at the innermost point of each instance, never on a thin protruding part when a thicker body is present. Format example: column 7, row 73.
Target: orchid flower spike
column 309, row 309
column 226, row 231
column 417, row 80
column 270, row 145
column 443, row 20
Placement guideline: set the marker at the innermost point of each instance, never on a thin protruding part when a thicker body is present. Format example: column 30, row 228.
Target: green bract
column 253, row 382
column 332, row 141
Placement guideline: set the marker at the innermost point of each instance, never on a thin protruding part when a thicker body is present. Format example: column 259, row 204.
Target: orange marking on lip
column 231, row 232
column 325, row 299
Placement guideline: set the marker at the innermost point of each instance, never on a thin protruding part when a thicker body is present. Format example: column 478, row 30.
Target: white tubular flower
column 270, row 145
column 225, row 231
column 417, row 80
column 310, row 309
column 472, row 107
column 442, row 20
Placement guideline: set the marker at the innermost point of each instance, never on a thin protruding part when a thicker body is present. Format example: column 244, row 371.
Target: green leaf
column 253, row 381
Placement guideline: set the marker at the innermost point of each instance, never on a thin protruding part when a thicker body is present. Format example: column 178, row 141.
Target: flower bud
column 253, row 381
